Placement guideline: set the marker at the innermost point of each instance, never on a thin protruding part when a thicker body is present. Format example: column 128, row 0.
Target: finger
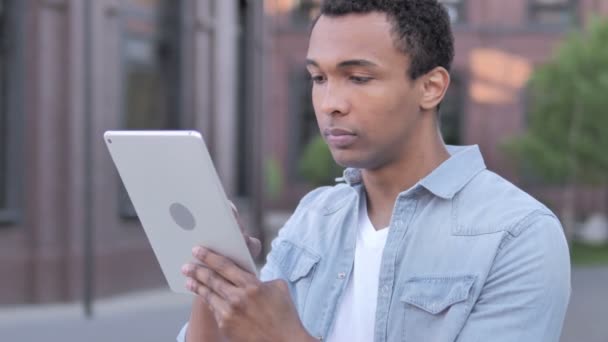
column 210, row 279
column 215, row 302
column 234, row 209
column 224, row 267
column 235, row 212
column 254, row 245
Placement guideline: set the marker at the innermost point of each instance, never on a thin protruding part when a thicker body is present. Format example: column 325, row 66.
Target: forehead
column 354, row 36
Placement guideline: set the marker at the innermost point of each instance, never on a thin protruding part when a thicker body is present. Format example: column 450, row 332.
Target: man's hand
column 244, row 308
column 254, row 245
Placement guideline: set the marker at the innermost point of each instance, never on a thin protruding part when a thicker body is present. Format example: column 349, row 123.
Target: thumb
column 235, row 212
column 254, row 245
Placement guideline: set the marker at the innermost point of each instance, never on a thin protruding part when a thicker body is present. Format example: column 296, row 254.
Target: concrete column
column 50, row 162
column 203, row 92
column 225, row 78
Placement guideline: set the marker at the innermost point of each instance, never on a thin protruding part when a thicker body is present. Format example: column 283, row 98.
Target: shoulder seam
column 522, row 225
column 516, row 228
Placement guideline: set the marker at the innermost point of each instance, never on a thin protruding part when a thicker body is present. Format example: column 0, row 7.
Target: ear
column 435, row 84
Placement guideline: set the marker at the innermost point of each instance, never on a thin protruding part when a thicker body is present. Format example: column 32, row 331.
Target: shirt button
column 385, row 289
column 341, row 275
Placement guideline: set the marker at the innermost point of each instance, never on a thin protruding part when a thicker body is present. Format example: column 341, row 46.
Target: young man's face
column 366, row 105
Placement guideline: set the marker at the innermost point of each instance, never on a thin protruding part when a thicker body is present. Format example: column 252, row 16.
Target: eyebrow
column 346, row 64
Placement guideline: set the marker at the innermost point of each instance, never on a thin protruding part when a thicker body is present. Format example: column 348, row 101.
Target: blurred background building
column 233, row 69
column 498, row 45
column 71, row 69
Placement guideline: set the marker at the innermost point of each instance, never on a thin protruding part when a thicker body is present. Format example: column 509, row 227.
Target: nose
column 333, row 100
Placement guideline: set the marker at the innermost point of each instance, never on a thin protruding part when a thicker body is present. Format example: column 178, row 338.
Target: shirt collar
column 448, row 178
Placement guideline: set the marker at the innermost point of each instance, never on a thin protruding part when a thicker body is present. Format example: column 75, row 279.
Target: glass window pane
column 553, row 12
column 3, row 160
column 455, row 9
column 556, row 16
column 151, row 70
column 304, row 122
column 304, row 11
column 3, row 113
column 551, row 2
column 451, row 111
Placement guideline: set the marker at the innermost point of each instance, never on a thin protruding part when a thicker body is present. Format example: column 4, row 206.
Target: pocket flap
column 435, row 294
column 297, row 261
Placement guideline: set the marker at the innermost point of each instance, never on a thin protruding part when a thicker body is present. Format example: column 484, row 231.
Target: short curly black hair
column 421, row 28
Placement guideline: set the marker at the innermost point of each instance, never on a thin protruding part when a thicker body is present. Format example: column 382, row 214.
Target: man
column 422, row 243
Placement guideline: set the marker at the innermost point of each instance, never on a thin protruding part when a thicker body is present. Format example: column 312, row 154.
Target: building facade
column 234, row 70
column 72, row 69
column 498, row 45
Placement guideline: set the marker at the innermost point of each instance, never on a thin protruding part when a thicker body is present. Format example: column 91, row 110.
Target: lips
column 339, row 137
column 338, row 131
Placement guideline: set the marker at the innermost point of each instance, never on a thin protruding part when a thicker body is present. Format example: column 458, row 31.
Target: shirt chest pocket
column 436, row 308
column 297, row 267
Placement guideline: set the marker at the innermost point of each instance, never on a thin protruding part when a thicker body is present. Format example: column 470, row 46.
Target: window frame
column 300, row 19
column 126, row 210
column 301, row 111
column 535, row 7
column 462, row 8
column 458, row 92
column 13, row 118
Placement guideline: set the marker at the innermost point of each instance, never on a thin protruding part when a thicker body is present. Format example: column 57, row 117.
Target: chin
column 350, row 159
column 360, row 160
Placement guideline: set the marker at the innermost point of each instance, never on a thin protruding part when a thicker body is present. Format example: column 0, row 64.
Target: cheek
column 382, row 110
column 385, row 119
column 384, row 97
column 316, row 105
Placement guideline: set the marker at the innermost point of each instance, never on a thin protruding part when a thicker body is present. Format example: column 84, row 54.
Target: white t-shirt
column 356, row 314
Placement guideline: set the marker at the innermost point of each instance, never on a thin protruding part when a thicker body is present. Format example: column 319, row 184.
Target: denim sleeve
column 527, row 291
column 270, row 270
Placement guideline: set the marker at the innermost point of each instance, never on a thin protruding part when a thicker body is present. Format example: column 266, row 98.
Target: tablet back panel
column 178, row 198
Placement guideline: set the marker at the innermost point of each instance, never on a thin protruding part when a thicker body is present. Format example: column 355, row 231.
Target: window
column 10, row 106
column 528, row 175
column 304, row 11
column 151, row 64
column 456, row 10
column 553, row 12
column 303, row 121
column 150, row 70
column 248, row 53
column 452, row 111
column 3, row 108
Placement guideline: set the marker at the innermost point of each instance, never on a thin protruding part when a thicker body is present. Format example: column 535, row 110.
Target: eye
column 317, row 79
column 360, row 79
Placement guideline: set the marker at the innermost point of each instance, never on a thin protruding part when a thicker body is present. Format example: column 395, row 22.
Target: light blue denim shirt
column 469, row 257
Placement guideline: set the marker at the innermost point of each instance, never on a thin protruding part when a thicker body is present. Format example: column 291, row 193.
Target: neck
column 422, row 154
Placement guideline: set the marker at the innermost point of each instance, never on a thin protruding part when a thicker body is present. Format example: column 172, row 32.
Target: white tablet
column 178, row 198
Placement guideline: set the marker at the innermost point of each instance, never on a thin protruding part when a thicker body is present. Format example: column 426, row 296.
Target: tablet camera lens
column 182, row 216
